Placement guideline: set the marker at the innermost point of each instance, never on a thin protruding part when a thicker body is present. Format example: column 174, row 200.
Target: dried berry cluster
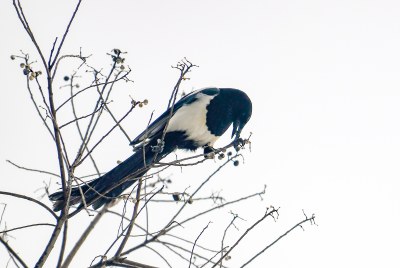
column 27, row 70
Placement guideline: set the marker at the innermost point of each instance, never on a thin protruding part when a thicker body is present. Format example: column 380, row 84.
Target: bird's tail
column 106, row 188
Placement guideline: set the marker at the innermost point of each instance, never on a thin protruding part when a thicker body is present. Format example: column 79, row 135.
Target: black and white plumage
column 197, row 121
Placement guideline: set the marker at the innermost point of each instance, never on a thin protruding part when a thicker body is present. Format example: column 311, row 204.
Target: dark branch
column 12, row 252
column 27, row 226
column 31, row 200
column 307, row 219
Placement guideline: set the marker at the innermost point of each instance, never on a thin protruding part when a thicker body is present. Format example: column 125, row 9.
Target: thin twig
column 31, row 200
column 82, row 117
column 63, row 243
column 195, row 242
column 89, row 87
column 37, row 109
column 170, row 225
column 160, row 255
column 27, row 226
column 311, row 219
column 12, row 252
column 266, row 214
column 64, row 36
column 105, row 135
column 79, row 128
column 168, row 245
column 83, row 237
column 235, row 216
column 190, row 242
column 25, row 24
column 93, row 122
column 83, row 58
column 210, row 260
column 32, row 169
column 131, row 224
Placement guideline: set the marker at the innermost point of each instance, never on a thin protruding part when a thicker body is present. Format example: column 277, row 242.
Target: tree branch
column 307, row 219
column 31, row 200
column 12, row 252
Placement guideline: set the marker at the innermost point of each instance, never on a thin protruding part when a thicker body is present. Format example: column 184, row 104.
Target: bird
column 196, row 121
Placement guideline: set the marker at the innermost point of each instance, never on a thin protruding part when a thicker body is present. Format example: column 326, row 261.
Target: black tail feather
column 106, row 188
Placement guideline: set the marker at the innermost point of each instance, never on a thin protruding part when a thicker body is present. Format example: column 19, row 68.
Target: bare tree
column 69, row 124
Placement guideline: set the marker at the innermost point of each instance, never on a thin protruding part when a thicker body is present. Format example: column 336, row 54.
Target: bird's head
column 241, row 111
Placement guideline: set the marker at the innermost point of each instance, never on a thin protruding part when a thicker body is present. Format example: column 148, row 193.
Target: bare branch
column 64, row 36
column 25, row 24
column 266, row 214
column 79, row 128
column 195, row 242
column 12, row 252
column 131, row 224
column 27, row 226
column 83, row 116
column 31, row 200
column 91, row 86
column 83, row 237
column 235, row 216
column 307, row 219
column 32, row 169
column 160, row 255
column 105, row 135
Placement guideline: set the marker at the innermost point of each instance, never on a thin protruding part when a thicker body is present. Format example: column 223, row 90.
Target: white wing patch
column 191, row 119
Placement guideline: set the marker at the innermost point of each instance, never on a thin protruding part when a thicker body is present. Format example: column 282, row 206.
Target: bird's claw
column 159, row 147
column 209, row 152
column 238, row 144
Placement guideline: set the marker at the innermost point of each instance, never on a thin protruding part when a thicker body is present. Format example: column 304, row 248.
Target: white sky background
column 324, row 80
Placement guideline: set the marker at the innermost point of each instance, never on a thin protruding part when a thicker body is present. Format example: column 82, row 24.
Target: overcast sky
column 324, row 80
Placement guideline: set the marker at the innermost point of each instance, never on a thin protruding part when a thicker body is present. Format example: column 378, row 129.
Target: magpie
column 195, row 121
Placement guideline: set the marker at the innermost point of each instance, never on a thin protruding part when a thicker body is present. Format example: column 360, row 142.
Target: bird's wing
column 158, row 125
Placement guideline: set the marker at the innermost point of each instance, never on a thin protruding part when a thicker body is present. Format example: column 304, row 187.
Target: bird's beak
column 236, row 129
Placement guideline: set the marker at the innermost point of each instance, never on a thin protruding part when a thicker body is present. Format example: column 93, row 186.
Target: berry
column 176, row 196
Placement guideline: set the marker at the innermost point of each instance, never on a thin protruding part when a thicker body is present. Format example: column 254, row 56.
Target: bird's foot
column 159, row 147
column 238, row 144
column 209, row 152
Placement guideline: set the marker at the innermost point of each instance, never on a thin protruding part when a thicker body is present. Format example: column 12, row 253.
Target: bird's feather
column 159, row 124
column 196, row 120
